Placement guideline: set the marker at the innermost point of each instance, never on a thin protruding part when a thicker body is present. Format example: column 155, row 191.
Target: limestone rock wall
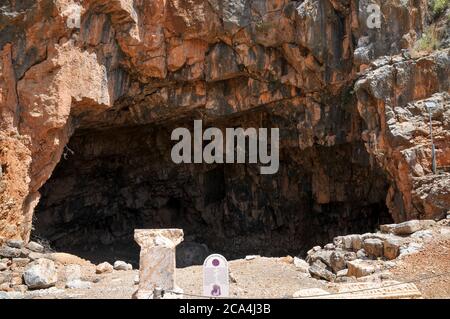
column 78, row 64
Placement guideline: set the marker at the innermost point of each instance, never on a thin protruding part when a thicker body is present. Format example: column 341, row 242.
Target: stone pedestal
column 157, row 260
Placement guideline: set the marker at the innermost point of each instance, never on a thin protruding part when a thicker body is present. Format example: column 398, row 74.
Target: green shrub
column 429, row 40
column 439, row 6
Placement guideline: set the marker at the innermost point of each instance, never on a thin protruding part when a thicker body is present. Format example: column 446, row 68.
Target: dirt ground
column 258, row 278
column 432, row 261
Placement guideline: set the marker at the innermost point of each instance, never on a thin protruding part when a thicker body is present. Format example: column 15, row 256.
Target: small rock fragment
column 15, row 243
column 104, row 268
column 251, row 257
column 78, row 284
column 35, row 247
column 9, row 252
column 3, row 266
column 121, row 265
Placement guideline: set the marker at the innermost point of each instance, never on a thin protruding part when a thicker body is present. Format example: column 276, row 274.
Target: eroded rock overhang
column 68, row 65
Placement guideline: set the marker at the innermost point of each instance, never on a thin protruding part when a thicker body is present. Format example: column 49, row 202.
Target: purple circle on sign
column 215, row 262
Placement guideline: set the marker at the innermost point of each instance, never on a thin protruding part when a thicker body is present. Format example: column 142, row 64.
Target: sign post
column 215, row 276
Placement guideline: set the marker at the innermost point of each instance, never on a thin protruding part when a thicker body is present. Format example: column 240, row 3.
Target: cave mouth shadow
column 122, row 179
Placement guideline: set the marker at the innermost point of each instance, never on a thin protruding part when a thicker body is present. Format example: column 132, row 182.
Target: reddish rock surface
column 68, row 66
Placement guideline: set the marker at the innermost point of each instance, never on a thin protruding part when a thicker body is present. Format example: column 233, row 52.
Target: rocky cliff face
column 116, row 76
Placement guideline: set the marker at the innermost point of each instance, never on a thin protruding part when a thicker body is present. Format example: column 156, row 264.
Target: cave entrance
column 113, row 181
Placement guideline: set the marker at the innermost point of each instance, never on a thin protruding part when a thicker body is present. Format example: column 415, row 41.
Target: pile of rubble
column 368, row 256
column 25, row 268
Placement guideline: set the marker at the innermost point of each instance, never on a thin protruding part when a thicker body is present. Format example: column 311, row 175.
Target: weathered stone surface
column 104, row 268
column 35, row 247
column 121, row 265
column 337, row 261
column 391, row 248
column 352, row 242
column 360, row 268
column 67, row 259
column 411, row 248
column 40, row 274
column 311, row 293
column 322, row 255
column 392, row 99
column 9, row 252
column 3, row 266
column 78, row 284
column 373, row 247
column 318, row 270
column 407, row 228
column 15, row 243
column 300, row 264
column 369, row 290
column 157, row 259
column 95, row 63
column 35, row 256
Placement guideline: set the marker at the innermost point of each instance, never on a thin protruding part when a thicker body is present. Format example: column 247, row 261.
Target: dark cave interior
column 121, row 179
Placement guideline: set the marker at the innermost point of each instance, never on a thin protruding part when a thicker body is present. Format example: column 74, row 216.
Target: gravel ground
column 258, row 278
column 433, row 260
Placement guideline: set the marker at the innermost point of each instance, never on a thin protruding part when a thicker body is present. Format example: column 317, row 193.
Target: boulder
column 121, row 265
column 301, row 265
column 361, row 254
column 313, row 250
column 104, row 268
column 322, row 255
column 34, row 246
column 408, row 227
column 318, row 270
column 373, row 247
column 9, row 252
column 3, row 266
column 391, row 248
column 337, row 261
column 352, row 242
column 40, row 274
column 360, row 268
column 67, row 259
column 15, row 243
